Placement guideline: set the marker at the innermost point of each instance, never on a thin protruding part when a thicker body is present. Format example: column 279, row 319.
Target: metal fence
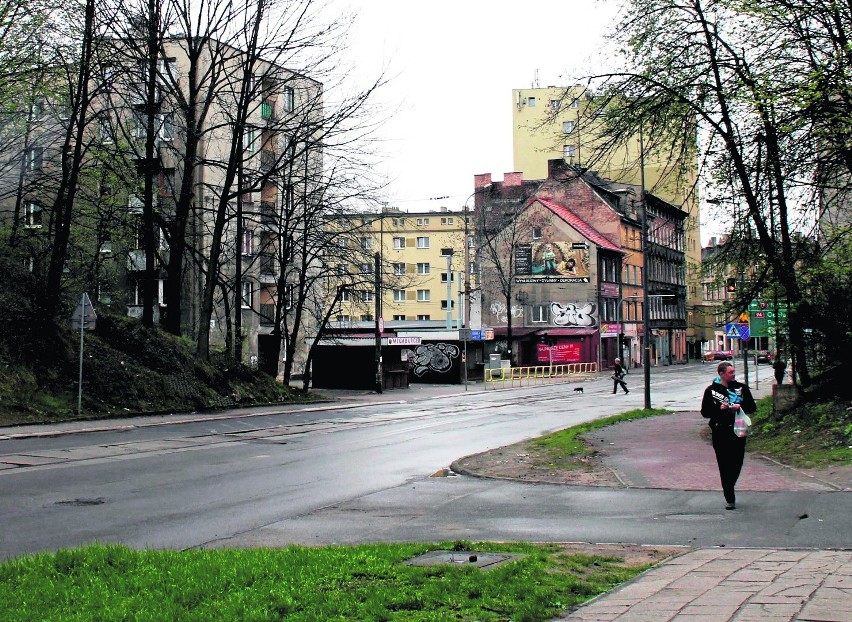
column 547, row 374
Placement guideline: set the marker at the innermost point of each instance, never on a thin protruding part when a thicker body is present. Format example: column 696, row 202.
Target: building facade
column 551, row 123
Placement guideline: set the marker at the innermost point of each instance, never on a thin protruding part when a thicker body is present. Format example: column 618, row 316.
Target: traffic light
column 732, row 285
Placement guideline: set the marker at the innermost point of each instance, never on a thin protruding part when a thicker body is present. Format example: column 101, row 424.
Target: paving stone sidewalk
column 742, row 585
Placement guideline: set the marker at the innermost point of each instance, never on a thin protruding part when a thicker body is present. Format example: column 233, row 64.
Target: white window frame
column 33, row 213
column 398, row 243
column 531, row 102
column 536, row 233
column 399, row 295
column 344, row 295
column 399, row 268
column 398, row 318
column 539, row 314
column 366, row 244
column 344, row 317
column 366, row 295
column 246, row 294
column 423, row 267
column 289, row 97
column 569, row 151
column 423, row 241
column 568, row 127
column 424, row 295
column 366, row 317
column 424, row 318
column 422, row 221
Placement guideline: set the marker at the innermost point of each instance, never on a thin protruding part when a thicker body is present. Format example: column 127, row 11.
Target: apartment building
column 422, row 263
column 594, row 228
column 551, row 122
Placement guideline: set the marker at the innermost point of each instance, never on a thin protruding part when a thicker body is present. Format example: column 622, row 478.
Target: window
column 444, row 305
column 423, row 242
column 344, row 295
column 366, row 317
column 424, row 318
column 365, row 268
column 536, row 233
column 366, row 296
column 104, row 131
column 447, row 221
column 424, row 295
column 531, row 102
column 288, row 96
column 248, row 238
column 167, row 126
column 37, row 108
column 422, row 221
column 399, row 295
column 33, row 159
column 444, row 277
column 246, row 295
column 32, row 215
column 250, row 139
column 554, row 104
column 575, row 103
column 540, row 313
column 366, row 244
column 423, row 268
column 398, row 222
column 398, row 269
column 342, row 269
column 398, row 318
column 567, row 127
column 446, row 252
column 399, row 243
column 569, row 151
column 471, row 242
column 344, row 318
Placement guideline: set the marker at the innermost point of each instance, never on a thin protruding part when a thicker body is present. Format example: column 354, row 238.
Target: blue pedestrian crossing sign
column 732, row 330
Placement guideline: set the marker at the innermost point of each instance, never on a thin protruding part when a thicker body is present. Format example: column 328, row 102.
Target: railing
column 541, row 374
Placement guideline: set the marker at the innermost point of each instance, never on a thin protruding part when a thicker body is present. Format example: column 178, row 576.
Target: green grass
column 365, row 582
column 815, row 435
column 566, row 449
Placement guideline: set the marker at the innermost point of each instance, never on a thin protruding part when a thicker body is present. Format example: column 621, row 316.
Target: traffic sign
column 744, row 334
column 732, row 330
column 84, row 315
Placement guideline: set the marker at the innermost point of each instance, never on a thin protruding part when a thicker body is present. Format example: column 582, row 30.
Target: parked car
column 719, row 355
column 764, row 356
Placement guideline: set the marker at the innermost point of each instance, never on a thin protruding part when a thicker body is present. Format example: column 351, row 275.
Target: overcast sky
column 456, row 63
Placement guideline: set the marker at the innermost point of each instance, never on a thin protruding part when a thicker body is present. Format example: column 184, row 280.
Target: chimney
column 480, row 181
column 513, row 179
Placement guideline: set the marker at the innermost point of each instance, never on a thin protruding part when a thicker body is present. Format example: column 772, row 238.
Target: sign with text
column 551, row 262
column 560, row 353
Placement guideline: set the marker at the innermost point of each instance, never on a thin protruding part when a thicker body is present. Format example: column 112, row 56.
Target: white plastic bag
column 742, row 425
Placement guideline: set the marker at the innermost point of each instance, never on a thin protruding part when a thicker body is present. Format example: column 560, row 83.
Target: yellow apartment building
column 423, row 262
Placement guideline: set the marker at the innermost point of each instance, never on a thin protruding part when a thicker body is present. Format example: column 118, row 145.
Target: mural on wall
column 552, row 262
column 433, row 357
column 574, row 314
column 498, row 310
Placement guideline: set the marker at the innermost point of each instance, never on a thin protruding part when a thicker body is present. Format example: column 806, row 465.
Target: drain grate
column 82, row 501
column 477, row 559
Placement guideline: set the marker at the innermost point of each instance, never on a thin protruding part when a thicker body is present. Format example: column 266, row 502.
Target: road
column 360, row 472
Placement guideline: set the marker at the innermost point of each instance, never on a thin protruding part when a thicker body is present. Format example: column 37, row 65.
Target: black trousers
column 618, row 381
column 730, row 451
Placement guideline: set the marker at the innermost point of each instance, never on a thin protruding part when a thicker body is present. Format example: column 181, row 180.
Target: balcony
column 268, row 216
column 268, row 160
column 267, row 111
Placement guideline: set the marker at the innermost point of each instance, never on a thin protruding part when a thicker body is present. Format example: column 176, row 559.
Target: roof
column 584, row 228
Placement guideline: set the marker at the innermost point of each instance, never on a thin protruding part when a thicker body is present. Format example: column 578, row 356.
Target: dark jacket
column 717, row 394
column 619, row 371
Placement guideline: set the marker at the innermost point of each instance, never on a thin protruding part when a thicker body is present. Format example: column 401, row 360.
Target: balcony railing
column 267, row 314
column 268, row 217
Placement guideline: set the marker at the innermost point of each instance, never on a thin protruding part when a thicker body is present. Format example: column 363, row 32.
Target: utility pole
column 377, row 276
column 646, row 308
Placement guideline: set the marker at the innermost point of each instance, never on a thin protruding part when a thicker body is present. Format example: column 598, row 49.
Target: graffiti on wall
column 498, row 309
column 574, row 314
column 434, row 357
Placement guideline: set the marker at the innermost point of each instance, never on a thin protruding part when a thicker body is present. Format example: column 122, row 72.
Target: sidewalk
column 745, row 585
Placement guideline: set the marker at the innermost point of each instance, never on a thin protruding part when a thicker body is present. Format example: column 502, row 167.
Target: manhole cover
column 79, row 502
column 477, row 559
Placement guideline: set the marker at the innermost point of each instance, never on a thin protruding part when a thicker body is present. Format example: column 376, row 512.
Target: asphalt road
column 360, row 472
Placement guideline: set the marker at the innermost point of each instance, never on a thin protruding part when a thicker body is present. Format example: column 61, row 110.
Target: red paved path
column 672, row 452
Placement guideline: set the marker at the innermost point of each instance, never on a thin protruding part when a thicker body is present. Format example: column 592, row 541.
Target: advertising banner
column 562, row 353
column 551, row 262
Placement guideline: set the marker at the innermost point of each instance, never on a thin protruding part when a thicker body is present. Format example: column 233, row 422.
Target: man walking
column 618, row 378
column 723, row 400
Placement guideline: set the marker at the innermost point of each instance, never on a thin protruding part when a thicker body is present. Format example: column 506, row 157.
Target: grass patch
column 365, row 582
column 814, row 435
column 565, row 449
